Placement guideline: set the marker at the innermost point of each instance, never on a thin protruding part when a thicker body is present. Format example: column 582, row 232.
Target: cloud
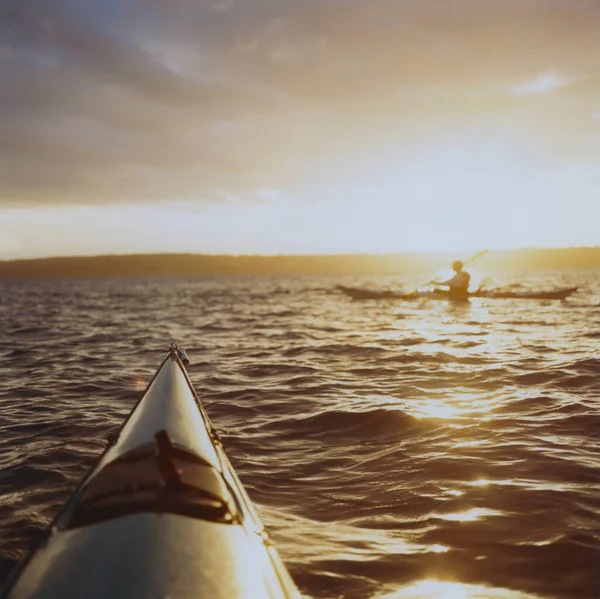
column 149, row 100
column 540, row 84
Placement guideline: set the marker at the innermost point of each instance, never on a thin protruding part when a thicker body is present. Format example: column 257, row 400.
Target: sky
column 305, row 126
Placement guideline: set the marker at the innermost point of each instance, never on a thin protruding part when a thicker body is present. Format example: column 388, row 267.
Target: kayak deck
column 359, row 293
column 162, row 514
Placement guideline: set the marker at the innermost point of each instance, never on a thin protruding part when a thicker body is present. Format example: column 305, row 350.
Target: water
column 395, row 450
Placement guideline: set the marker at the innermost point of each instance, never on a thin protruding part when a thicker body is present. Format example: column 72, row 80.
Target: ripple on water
column 394, row 452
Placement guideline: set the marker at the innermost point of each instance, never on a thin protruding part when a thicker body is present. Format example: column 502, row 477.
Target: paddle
column 471, row 259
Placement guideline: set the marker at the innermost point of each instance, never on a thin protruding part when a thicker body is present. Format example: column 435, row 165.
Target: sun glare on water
column 437, row 409
column 469, row 515
column 139, row 383
column 428, row 589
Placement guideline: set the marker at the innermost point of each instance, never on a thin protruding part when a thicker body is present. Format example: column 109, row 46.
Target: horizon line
column 302, row 255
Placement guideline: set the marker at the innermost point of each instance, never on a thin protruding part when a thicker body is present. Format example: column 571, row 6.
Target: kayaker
column 458, row 285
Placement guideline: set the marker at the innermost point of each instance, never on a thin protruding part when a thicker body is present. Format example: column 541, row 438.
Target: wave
column 341, row 424
column 315, row 397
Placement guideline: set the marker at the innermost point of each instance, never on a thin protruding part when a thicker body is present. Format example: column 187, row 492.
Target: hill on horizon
column 342, row 264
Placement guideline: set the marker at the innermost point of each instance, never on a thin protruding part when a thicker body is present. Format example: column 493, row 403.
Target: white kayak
column 361, row 293
column 161, row 515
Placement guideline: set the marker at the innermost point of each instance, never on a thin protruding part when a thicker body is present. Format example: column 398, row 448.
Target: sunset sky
column 306, row 126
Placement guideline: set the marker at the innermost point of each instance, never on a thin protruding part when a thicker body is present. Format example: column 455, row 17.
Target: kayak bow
column 162, row 514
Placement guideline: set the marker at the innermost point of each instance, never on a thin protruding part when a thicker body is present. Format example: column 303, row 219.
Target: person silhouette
column 458, row 285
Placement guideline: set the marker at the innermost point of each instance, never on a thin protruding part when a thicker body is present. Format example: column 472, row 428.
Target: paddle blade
column 482, row 253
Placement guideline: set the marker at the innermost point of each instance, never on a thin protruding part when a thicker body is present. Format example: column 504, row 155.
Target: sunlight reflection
column 346, row 542
column 392, row 335
column 139, row 383
column 469, row 515
column 427, row 589
column 461, row 407
column 485, row 482
column 432, row 408
column 528, row 484
column 471, row 443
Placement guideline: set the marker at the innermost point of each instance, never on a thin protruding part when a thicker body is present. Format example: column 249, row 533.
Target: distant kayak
column 360, row 293
column 161, row 514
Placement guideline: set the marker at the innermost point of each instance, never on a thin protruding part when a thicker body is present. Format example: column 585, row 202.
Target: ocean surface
column 394, row 449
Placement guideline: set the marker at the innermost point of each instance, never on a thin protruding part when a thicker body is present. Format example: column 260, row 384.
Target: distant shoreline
column 345, row 264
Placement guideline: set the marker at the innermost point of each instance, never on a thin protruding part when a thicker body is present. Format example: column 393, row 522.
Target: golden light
column 469, row 515
column 454, row 492
column 474, row 443
column 429, row 589
column 139, row 383
column 437, row 408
